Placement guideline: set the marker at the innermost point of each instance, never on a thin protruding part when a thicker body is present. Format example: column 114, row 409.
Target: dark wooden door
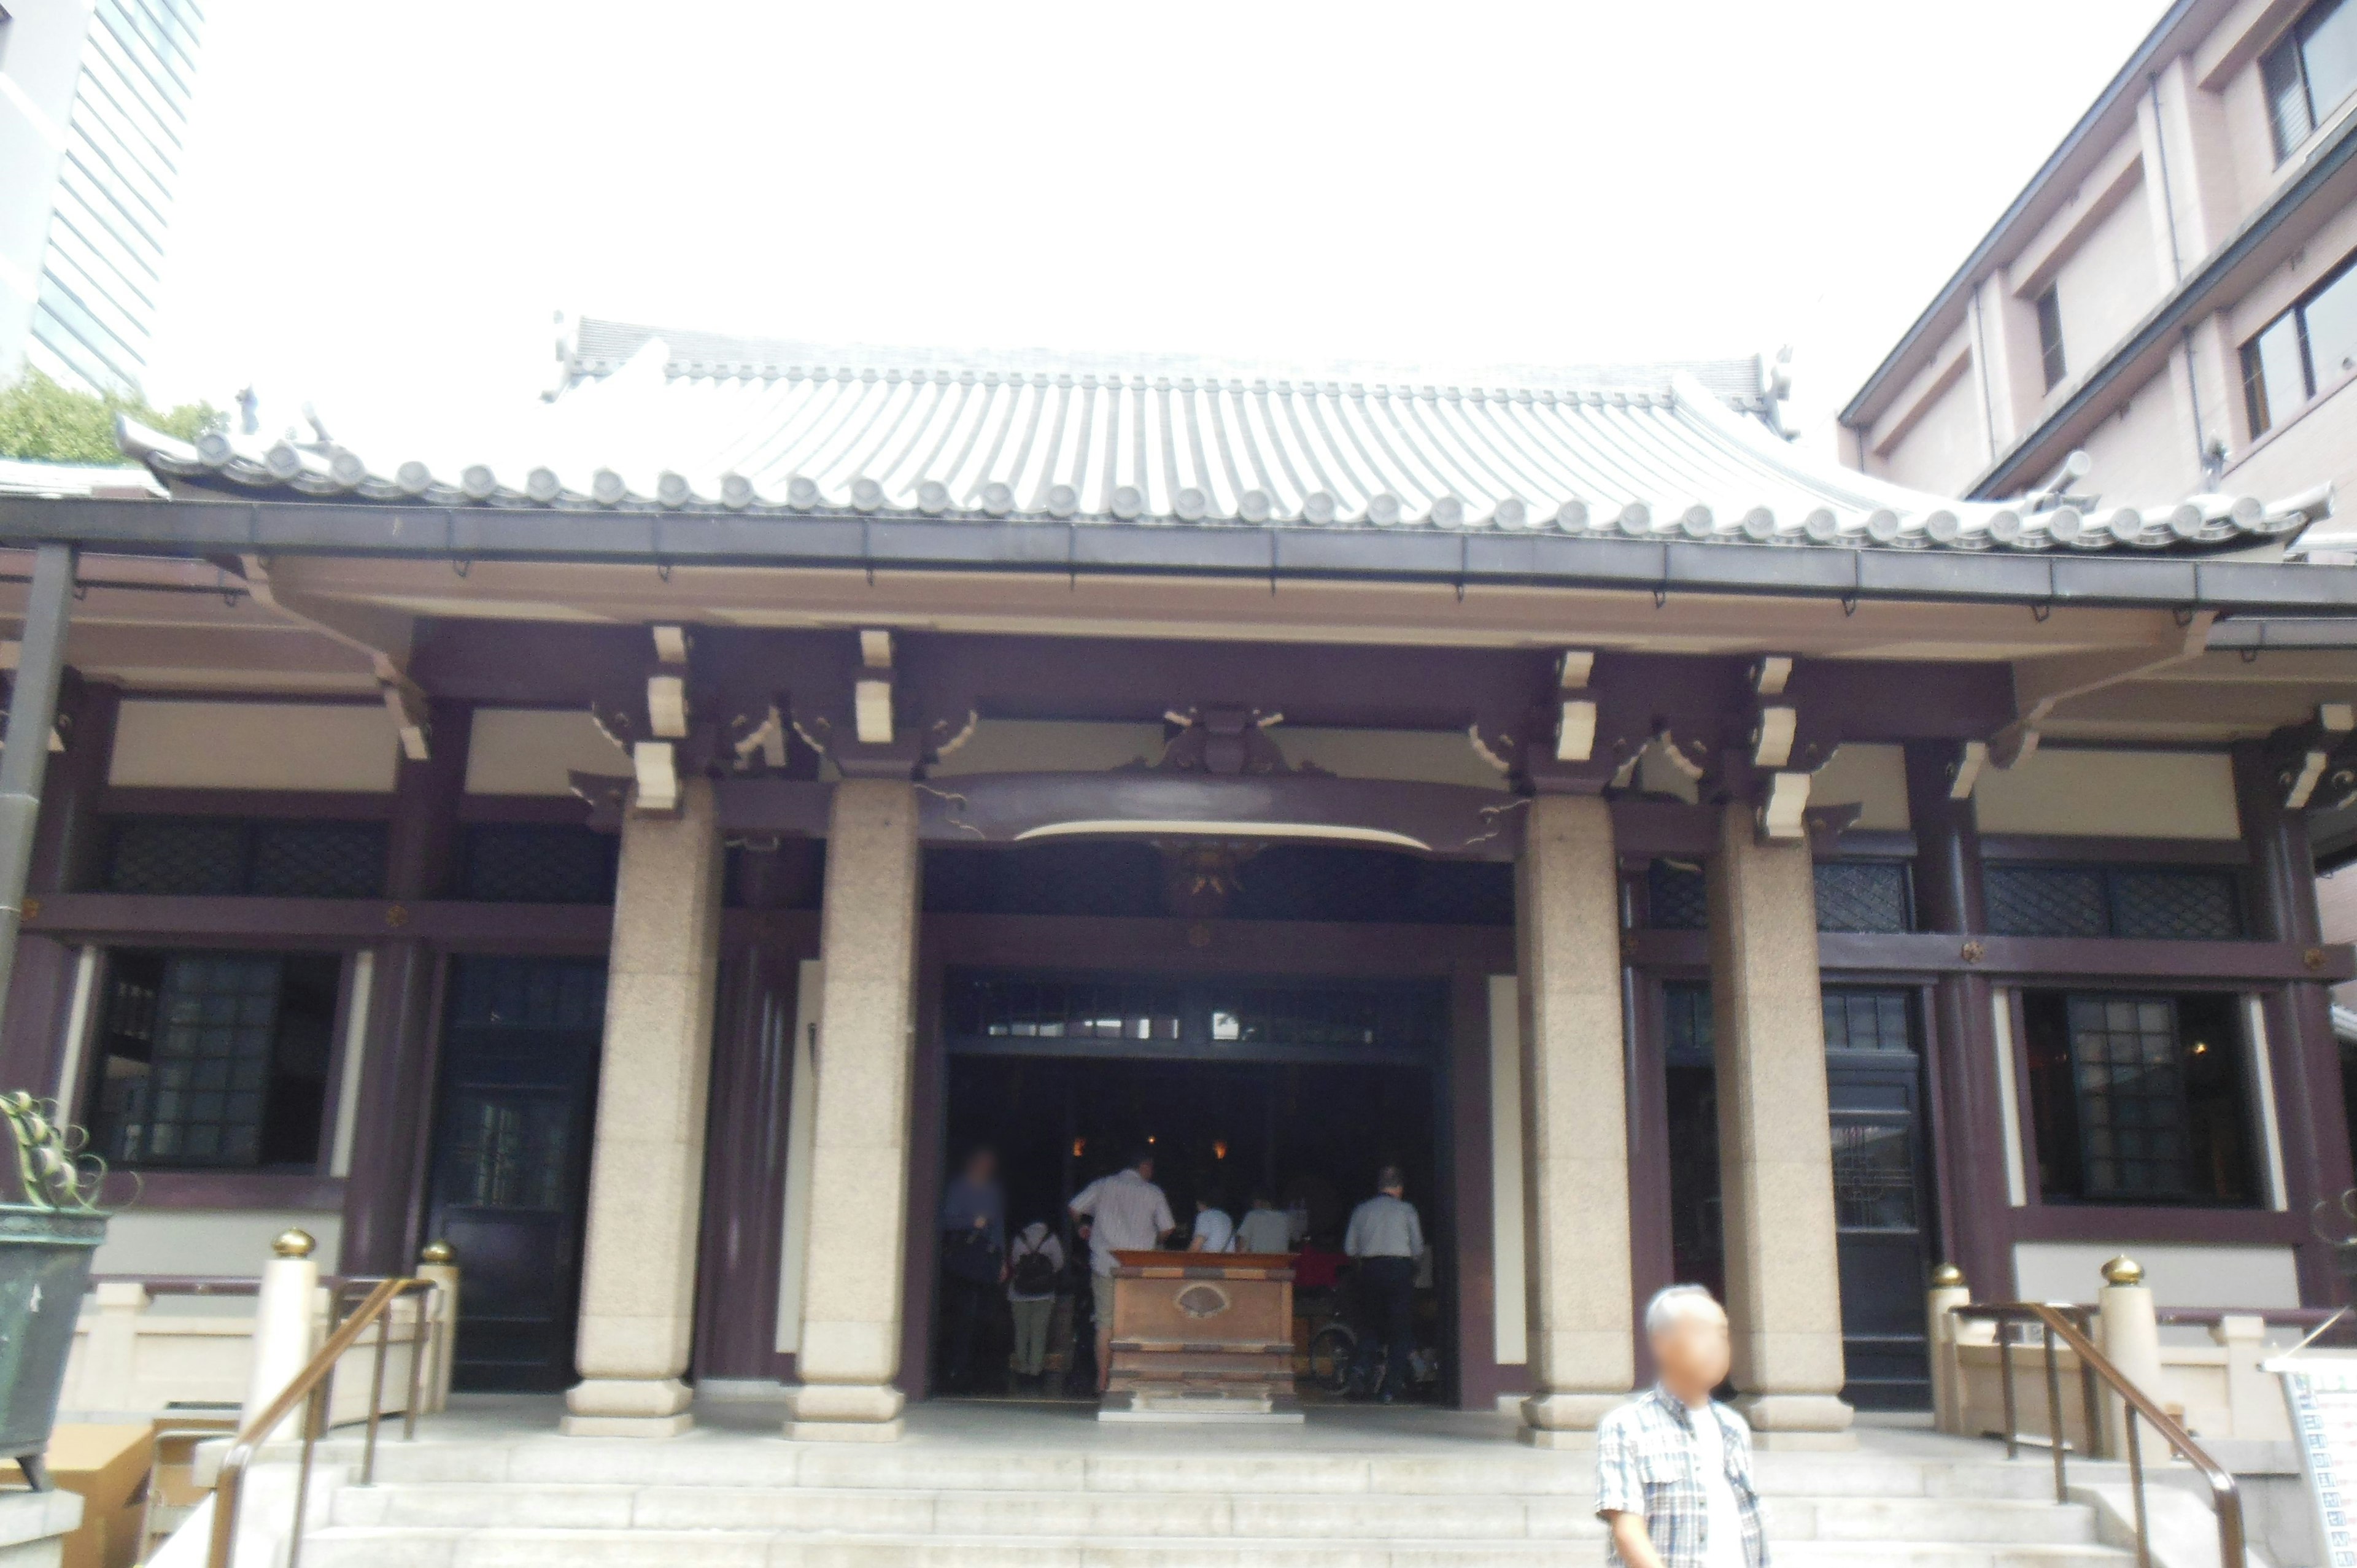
column 1874, row 1079
column 512, row 1122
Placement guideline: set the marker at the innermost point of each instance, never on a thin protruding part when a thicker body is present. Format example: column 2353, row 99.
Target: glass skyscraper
column 94, row 102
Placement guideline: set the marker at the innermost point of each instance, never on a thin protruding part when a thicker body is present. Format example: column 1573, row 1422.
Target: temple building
column 646, row 845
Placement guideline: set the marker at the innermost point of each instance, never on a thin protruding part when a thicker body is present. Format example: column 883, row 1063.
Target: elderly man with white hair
column 1674, row 1466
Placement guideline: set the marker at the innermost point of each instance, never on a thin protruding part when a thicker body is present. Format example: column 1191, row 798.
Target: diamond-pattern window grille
column 2200, row 905
column 1862, row 895
column 316, row 860
column 2046, row 901
column 1676, row 896
column 2172, row 902
column 176, row 855
column 1874, row 1174
column 228, row 856
column 538, row 863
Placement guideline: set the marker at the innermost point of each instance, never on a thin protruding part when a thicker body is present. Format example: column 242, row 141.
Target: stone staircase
column 1192, row 1501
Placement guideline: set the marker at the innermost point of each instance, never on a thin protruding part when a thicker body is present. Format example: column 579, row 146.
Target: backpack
column 1034, row 1274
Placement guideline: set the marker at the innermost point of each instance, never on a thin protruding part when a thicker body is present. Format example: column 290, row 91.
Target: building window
column 2138, row 1098
column 538, row 863
column 214, row 1059
column 2148, row 902
column 2310, row 72
column 1863, row 895
column 1677, row 896
column 1866, row 1021
column 232, row 857
column 2301, row 353
column 2050, row 336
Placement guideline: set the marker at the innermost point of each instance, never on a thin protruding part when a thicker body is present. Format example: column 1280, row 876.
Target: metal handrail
column 311, row 1390
column 2067, row 1323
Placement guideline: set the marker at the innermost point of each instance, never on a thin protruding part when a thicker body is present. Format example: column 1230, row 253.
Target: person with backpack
column 1035, row 1263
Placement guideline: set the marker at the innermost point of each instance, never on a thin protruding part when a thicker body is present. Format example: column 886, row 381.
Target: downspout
column 32, row 714
column 1980, row 367
column 2176, row 275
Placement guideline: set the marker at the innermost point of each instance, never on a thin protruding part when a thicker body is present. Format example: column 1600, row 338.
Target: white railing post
column 438, row 1339
column 2127, row 1331
column 1948, row 1291
column 2254, row 1406
column 282, row 1316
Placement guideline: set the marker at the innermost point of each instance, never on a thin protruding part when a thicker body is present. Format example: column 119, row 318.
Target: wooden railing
column 309, row 1392
column 2068, row 1325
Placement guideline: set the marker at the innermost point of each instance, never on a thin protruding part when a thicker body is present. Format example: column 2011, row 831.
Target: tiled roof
column 687, row 420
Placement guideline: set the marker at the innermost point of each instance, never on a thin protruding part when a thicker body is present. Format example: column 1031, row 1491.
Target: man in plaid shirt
column 1674, row 1466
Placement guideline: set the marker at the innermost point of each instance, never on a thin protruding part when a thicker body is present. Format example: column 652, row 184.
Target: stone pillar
column 1574, row 1122
column 283, row 1343
column 1775, row 1144
column 850, row 1346
column 646, row 1163
column 2127, row 1331
column 1948, row 1292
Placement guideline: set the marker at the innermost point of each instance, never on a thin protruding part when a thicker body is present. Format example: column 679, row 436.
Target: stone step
column 1504, row 1471
column 1110, row 1516
column 518, row 1547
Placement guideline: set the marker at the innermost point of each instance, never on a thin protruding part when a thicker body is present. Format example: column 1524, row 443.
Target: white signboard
column 2322, row 1395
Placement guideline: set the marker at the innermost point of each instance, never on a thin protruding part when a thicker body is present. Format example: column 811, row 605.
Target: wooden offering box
column 1201, row 1336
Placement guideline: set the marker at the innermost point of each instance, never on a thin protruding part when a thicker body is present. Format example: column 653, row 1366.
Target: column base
column 1567, row 1420
column 1815, row 1423
column 843, row 1412
column 627, row 1407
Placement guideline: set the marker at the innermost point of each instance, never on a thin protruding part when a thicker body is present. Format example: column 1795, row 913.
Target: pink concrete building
column 2172, row 294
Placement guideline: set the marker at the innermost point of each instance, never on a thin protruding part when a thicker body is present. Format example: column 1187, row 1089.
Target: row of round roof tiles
column 1974, row 528
column 1592, row 397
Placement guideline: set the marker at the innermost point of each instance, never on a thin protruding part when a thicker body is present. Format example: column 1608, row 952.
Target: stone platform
column 1047, row 1486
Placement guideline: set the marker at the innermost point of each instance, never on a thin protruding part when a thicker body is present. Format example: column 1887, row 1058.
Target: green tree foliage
column 45, row 420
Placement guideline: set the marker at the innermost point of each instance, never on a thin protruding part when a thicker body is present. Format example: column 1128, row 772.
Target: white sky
column 384, row 204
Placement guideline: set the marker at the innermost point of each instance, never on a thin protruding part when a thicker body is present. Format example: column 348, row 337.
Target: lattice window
column 316, row 860
column 2180, row 902
column 1874, row 1174
column 2046, row 901
column 1862, row 895
column 2124, row 1058
column 2202, row 904
column 176, row 855
column 1866, row 1021
column 1687, row 1040
column 226, row 856
column 538, row 863
column 1676, row 896
column 529, row 993
column 216, row 1023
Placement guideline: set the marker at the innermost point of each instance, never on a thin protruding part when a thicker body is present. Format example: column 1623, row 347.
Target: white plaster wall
column 1511, row 1307
column 253, row 746
column 221, row 1241
column 529, row 751
column 2112, row 794
column 1034, row 746
column 1423, row 756
column 1873, row 777
column 2179, row 1275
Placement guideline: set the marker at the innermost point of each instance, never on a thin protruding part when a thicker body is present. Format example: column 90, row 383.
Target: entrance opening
column 511, row 1168
column 1874, row 1082
column 1294, row 1091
